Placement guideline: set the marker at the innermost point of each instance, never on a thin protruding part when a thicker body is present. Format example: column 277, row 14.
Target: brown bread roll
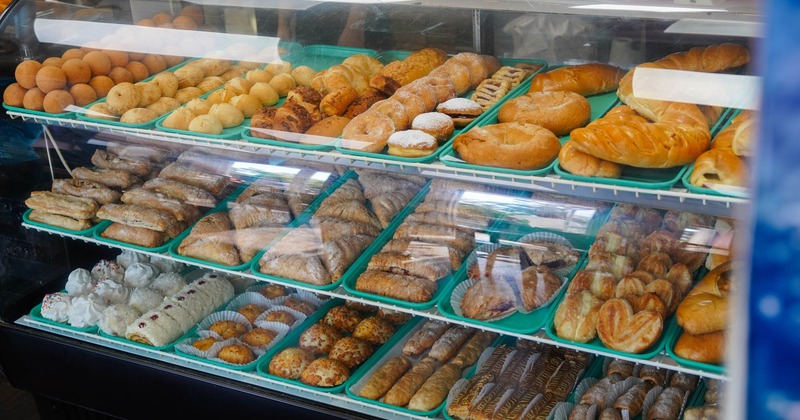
column 405, row 388
column 585, row 79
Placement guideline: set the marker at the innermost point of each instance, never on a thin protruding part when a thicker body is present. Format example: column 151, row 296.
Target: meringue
column 116, row 319
column 145, row 299
column 166, row 265
column 55, row 307
column 112, row 292
column 80, row 282
column 128, row 257
column 168, row 283
column 140, row 274
column 86, row 311
column 107, row 269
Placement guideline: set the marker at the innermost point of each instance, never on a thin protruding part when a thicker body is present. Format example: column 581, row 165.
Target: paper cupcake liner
column 248, row 298
column 584, row 386
column 281, row 329
column 458, row 294
column 260, row 285
column 223, row 316
column 550, row 237
column 651, row 397
column 561, row 411
column 298, row 316
column 186, row 346
column 620, row 388
column 230, row 342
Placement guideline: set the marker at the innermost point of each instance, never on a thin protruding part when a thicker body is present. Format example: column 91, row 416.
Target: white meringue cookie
column 128, row 257
column 140, row 274
column 166, row 265
column 86, row 311
column 56, row 306
column 80, row 282
column 107, row 269
column 112, row 292
column 168, row 283
column 145, row 299
column 116, row 319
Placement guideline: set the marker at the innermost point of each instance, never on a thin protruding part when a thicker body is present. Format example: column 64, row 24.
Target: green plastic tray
column 645, row 178
column 290, row 47
column 523, row 87
column 36, row 313
column 38, row 113
column 320, row 57
column 227, row 133
column 300, row 220
column 710, row 191
column 600, row 104
column 597, row 344
column 85, row 232
column 169, row 347
column 293, row 337
column 670, row 346
column 379, row 358
column 148, row 124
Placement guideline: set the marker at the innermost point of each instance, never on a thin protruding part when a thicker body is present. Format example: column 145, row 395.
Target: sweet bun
column 138, row 116
column 98, row 62
column 101, row 85
column 13, row 95
column 512, row 145
column 199, row 106
column 279, row 67
column 148, row 93
column 265, row 93
column 290, row 363
column 53, row 61
column 100, row 111
column 184, row 22
column 187, row 94
column 161, row 18
column 227, row 114
column 83, row 94
column 25, row 73
column 168, row 84
column 258, row 75
column 463, row 111
column 282, row 83
column 189, row 75
column 33, row 99
column 411, row 143
column 138, row 70
column 239, row 85
column 164, row 105
column 559, row 111
column 234, row 73
column 122, row 97
column 76, row 71
column 207, row 84
column 121, row 75
column 50, row 78
column 584, row 79
column 73, row 53
column 206, row 124
column 57, row 101
column 154, row 63
column 238, row 354
column 329, row 127
column 180, row 119
column 247, row 104
column 438, row 125
column 302, row 75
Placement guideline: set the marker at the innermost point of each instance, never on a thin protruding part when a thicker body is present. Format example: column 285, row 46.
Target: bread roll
column 511, row 145
column 584, row 79
column 705, row 308
column 405, row 388
column 559, row 112
column 434, row 391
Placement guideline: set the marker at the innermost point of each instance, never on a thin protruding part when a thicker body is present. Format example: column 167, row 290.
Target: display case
column 374, row 209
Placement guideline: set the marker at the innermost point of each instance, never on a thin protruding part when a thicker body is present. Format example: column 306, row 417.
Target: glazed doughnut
column 411, row 143
column 394, row 110
column 368, row 132
column 439, row 125
column 476, row 66
column 442, row 87
column 423, row 92
column 457, row 73
column 413, row 104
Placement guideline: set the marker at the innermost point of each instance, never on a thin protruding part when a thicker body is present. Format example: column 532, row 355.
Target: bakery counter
column 661, row 359
column 676, row 198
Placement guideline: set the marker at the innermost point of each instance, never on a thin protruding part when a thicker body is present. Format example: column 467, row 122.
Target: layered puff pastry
column 212, row 239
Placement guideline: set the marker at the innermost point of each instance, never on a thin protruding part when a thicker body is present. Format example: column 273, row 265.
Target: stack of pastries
column 525, row 382
column 630, row 386
column 329, row 350
column 432, row 361
column 429, row 244
column 638, row 271
column 234, row 236
column 725, row 163
column 345, row 223
column 511, row 278
column 74, row 203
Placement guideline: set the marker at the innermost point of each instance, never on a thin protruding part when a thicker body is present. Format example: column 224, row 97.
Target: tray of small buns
column 334, row 345
column 240, row 227
column 415, row 374
column 534, row 124
column 623, row 389
column 638, row 270
column 518, row 380
column 425, row 97
column 724, row 169
column 249, row 326
column 320, row 88
column 415, row 258
column 511, row 286
column 319, row 249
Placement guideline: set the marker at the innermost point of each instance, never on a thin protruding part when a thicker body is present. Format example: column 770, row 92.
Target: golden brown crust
column 107, row 160
column 109, row 177
column 576, row 317
column 215, row 184
column 719, row 166
column 405, row 388
column 385, row 377
column 508, row 145
column 141, row 216
column 435, row 389
column 58, row 220
column 705, row 348
column 86, row 189
column 400, row 73
column 620, row 329
column 238, row 354
column 705, row 308
column 62, row 204
column 135, row 235
column 397, row 286
column 325, row 372
column 559, row 112
column 585, row 79
column 182, row 211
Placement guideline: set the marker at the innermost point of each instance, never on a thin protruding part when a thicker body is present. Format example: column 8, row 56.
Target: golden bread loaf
column 705, row 348
column 584, row 79
column 705, row 308
column 580, row 163
column 511, row 145
column 559, row 112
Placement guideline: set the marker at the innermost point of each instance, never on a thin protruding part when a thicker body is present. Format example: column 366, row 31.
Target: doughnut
column 413, row 104
column 558, row 111
column 477, row 67
column 411, row 143
column 442, row 87
column 368, row 132
column 363, row 103
column 438, row 125
column 463, row 111
column 511, row 145
column 457, row 73
column 394, row 110
column 423, row 92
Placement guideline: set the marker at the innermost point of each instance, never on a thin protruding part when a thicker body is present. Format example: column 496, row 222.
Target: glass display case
column 374, row 209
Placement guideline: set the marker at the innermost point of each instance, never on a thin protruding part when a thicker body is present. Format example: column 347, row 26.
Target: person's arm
column 353, row 33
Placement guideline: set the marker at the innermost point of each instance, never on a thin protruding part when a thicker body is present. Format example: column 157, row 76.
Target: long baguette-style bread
column 585, row 79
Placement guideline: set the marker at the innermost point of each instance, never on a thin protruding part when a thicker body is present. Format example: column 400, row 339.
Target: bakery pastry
column 211, row 239
column 238, row 354
column 425, row 337
column 65, row 222
column 305, row 268
column 438, row 125
column 719, row 166
column 141, row 216
column 87, row 189
column 228, row 328
column 488, row 298
column 284, row 317
column 385, row 377
column 536, row 286
column 469, row 353
column 598, row 283
column 584, row 79
column 704, row 348
column 559, row 112
column 668, row 404
column 410, row 265
column 251, row 311
column 143, row 237
column 374, row 329
column 404, row 388
column 343, row 318
column 705, row 308
column 290, row 363
column 461, row 110
column 388, row 205
column 620, row 329
column 446, row 347
column 510, row 145
column 299, row 306
column 113, row 178
column 272, row 291
column 450, row 236
column 396, row 286
column 107, row 160
column 181, row 211
column 325, row 373
column 394, row 317
column 204, row 344
column 576, row 317
column 400, row 73
column 490, row 91
column 339, row 254
column 351, row 351
column 61, row 204
column 319, row 339
column 411, row 143
column 178, row 190
column 434, row 391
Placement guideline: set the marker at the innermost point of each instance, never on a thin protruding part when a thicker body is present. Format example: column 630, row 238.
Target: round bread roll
column 247, row 104
column 303, row 75
column 101, row 85
column 265, row 93
column 187, row 94
column 164, row 105
column 278, row 67
column 189, row 75
column 13, row 95
column 329, row 127
column 199, row 106
column 513, row 145
column 559, row 111
column 138, row 116
column 101, row 112
column 57, row 101
column 411, row 143
column 122, row 97
column 227, row 114
column 33, row 99
column 83, row 94
column 221, row 96
column 206, row 124
column 148, row 93
column 210, row 83
column 179, row 119
column 282, row 83
column 234, row 73
column 258, row 75
column 121, row 75
column 168, row 84
column 239, row 85
column 25, row 73
column 77, row 71
column 50, row 78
